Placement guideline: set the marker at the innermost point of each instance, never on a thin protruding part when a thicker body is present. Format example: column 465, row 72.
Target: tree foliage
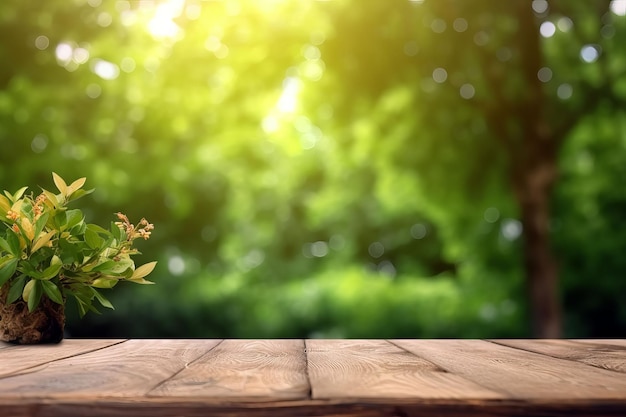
column 315, row 168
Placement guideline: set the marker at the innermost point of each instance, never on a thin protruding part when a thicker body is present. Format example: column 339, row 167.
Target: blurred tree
column 288, row 150
column 506, row 70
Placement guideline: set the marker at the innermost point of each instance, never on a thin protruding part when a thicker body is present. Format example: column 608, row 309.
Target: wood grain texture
column 599, row 355
column 348, row 378
column 253, row 370
column 520, row 374
column 376, row 369
column 611, row 342
column 128, row 369
column 18, row 358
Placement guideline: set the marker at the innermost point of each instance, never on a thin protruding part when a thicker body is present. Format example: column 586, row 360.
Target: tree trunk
column 534, row 174
column 539, row 263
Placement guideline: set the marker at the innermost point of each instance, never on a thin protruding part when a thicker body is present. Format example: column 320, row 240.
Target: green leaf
column 52, row 291
column 116, row 231
column 105, row 303
column 80, row 193
column 143, row 270
column 97, row 229
column 34, row 297
column 16, row 289
column 92, row 238
column 52, row 197
column 40, row 223
column 5, row 245
column 42, row 241
column 81, row 308
column 5, row 205
column 27, row 268
column 53, row 270
column 74, row 217
column 76, row 185
column 104, row 267
column 19, row 193
column 60, row 183
column 27, row 209
column 60, row 220
column 7, row 270
column 14, row 243
column 104, row 282
column 84, row 302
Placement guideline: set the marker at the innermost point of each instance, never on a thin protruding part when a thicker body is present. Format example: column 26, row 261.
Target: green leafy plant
column 48, row 250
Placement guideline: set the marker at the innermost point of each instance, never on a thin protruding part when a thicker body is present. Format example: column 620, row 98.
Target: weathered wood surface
column 424, row 378
column 596, row 354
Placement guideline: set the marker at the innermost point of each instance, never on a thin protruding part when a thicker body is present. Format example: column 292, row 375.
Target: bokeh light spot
column 64, row 52
column 319, row 249
column 618, row 7
column 564, row 24
column 467, row 91
column 491, row 215
column 481, row 38
column 544, row 74
column 438, row 25
column 607, row 31
column 511, row 229
column 440, row 75
column 547, row 29
column 376, row 250
column 540, row 6
column 39, row 143
column 418, row 231
column 105, row 69
column 387, row 268
column 80, row 55
column 311, row 52
column 460, row 24
column 564, row 91
column 128, row 64
column 589, row 53
column 42, row 42
column 93, row 90
column 337, row 242
column 176, row 265
column 104, row 19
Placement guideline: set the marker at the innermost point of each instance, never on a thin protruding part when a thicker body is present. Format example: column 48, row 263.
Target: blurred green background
column 370, row 168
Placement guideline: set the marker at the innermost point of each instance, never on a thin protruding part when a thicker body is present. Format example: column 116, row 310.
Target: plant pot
column 44, row 325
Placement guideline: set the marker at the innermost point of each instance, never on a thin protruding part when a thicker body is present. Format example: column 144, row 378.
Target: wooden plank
column 611, row 342
column 20, row 357
column 604, row 356
column 246, row 370
column 173, row 407
column 522, row 375
column 376, row 369
column 128, row 369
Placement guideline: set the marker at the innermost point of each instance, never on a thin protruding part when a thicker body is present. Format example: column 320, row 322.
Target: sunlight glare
column 105, row 69
column 289, row 98
column 162, row 24
column 618, row 7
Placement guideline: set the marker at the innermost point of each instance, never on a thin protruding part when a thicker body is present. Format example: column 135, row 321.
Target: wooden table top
column 206, row 377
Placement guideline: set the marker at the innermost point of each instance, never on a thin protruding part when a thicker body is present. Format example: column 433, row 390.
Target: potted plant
column 48, row 253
